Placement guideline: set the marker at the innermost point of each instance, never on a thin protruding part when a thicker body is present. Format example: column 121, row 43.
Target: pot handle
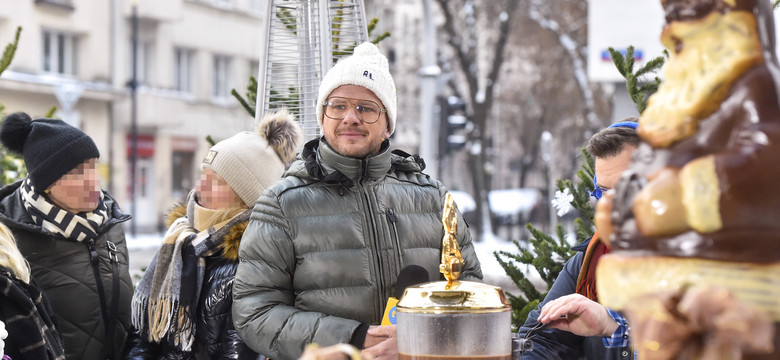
column 520, row 345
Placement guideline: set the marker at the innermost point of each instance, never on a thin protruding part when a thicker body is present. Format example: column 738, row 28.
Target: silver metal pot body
column 465, row 321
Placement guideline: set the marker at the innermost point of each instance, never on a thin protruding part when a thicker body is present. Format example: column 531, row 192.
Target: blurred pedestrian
column 182, row 306
column 325, row 245
column 70, row 232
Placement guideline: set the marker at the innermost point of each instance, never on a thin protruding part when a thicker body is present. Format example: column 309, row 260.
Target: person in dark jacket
column 27, row 318
column 182, row 306
column 70, row 232
column 588, row 330
column 325, row 245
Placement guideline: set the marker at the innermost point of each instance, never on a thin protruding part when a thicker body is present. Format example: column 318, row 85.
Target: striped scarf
column 28, row 319
column 165, row 301
column 78, row 227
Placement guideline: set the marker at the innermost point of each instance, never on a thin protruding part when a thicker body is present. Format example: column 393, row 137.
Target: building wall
column 167, row 120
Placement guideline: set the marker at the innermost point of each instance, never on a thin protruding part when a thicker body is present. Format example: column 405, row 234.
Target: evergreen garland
column 11, row 165
column 638, row 89
column 9, row 51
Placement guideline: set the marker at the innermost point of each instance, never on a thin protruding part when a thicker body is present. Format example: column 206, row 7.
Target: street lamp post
column 546, row 145
column 429, row 73
column 134, row 116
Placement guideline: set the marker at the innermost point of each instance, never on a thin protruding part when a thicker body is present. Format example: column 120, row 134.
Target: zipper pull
column 112, row 251
column 391, row 216
column 93, row 255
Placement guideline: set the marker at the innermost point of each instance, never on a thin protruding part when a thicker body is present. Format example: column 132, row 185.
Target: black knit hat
column 51, row 148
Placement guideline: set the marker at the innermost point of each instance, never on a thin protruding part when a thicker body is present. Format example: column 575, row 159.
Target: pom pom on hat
column 50, row 147
column 250, row 162
column 367, row 67
column 282, row 133
column 14, row 132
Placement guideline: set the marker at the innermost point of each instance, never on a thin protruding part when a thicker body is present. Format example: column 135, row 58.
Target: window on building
column 60, row 52
column 182, row 173
column 254, row 68
column 66, row 4
column 183, row 66
column 220, row 88
column 222, row 3
column 145, row 61
column 256, row 5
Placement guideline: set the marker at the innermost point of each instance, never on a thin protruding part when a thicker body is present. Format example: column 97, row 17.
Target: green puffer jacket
column 325, row 245
column 63, row 270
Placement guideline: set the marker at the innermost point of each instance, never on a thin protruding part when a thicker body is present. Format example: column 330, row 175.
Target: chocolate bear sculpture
column 706, row 183
column 694, row 224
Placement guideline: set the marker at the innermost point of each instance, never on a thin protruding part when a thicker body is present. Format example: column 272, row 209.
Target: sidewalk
column 141, row 249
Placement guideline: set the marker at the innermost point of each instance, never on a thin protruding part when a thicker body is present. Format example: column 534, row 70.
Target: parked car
column 513, row 206
column 507, row 206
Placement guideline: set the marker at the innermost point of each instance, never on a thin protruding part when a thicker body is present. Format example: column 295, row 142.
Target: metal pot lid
column 461, row 296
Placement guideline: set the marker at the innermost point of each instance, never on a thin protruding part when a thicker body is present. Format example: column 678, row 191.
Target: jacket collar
column 231, row 237
column 372, row 167
column 14, row 215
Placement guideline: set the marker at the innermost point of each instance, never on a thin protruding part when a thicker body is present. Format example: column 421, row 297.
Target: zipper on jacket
column 377, row 250
column 94, row 258
column 392, row 219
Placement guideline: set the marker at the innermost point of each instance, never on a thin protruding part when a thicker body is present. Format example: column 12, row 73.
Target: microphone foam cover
column 409, row 276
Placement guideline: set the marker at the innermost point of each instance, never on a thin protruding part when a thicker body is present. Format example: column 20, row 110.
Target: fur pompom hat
column 367, row 67
column 50, row 147
column 251, row 162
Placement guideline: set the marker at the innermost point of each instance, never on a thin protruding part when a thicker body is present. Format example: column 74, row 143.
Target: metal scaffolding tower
column 302, row 40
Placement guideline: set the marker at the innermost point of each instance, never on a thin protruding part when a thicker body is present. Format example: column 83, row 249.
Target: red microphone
column 409, row 276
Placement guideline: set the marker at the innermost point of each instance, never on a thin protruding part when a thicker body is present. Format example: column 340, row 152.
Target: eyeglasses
column 367, row 111
column 598, row 191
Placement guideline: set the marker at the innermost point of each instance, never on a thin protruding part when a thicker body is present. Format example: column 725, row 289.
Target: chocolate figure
column 693, row 224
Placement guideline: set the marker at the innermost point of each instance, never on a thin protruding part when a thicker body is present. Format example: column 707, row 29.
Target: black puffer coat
column 215, row 337
column 64, row 271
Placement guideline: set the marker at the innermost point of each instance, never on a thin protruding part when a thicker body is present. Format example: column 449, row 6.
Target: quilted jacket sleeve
column 264, row 309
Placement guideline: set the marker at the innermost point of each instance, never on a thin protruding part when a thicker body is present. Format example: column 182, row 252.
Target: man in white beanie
column 325, row 245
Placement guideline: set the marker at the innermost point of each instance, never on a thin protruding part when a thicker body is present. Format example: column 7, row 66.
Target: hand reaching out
column 579, row 315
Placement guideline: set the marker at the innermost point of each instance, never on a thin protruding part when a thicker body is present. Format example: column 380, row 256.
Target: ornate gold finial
column 451, row 260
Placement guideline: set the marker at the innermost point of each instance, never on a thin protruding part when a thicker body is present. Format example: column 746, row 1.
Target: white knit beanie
column 250, row 162
column 368, row 68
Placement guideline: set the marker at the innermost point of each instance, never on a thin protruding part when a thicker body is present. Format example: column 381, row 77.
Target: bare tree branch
column 580, row 71
column 464, row 59
column 503, row 35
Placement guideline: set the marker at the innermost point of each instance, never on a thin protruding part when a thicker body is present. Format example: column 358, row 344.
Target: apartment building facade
column 77, row 55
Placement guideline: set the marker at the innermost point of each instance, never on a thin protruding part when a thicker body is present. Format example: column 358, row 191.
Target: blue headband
column 628, row 124
column 597, row 190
